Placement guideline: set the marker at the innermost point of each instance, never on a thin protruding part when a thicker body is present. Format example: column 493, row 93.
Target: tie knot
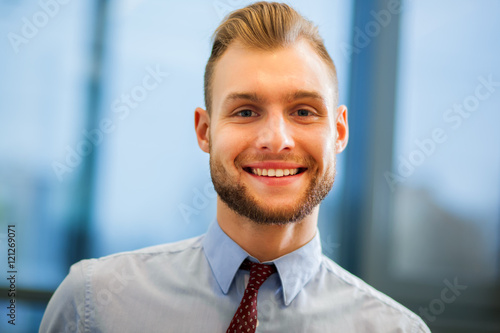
column 258, row 272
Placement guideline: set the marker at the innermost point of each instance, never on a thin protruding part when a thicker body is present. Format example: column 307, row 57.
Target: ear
column 342, row 129
column 202, row 128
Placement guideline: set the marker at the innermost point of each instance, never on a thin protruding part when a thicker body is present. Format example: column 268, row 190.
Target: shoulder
column 95, row 281
column 375, row 305
column 143, row 263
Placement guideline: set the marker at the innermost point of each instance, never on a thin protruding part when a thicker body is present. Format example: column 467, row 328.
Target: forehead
column 271, row 75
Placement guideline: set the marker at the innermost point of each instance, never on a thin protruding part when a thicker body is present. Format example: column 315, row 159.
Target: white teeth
column 274, row 172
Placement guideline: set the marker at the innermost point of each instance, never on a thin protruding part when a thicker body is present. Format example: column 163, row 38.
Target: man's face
column 273, row 112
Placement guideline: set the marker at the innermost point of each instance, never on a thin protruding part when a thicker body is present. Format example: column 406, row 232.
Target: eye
column 304, row 113
column 245, row 113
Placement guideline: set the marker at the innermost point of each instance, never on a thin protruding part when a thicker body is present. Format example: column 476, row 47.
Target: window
column 431, row 223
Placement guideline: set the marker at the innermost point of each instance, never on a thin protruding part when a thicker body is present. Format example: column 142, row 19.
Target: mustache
column 308, row 161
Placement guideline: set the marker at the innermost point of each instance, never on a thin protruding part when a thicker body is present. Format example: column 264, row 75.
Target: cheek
column 227, row 144
column 320, row 144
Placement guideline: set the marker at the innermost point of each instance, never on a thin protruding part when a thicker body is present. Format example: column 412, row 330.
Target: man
column 272, row 128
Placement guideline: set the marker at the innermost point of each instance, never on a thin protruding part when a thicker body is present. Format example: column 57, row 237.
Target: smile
column 274, row 172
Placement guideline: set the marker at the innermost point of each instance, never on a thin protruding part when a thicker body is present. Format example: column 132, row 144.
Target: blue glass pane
column 43, row 66
column 446, row 155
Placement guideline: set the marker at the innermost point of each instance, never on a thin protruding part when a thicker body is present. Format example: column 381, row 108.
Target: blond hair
column 266, row 26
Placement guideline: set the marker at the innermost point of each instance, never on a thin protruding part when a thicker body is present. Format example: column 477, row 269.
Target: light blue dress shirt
column 196, row 285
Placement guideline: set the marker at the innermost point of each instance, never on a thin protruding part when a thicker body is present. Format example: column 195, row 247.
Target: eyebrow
column 253, row 97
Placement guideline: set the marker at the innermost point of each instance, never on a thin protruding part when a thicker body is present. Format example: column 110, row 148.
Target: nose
column 275, row 134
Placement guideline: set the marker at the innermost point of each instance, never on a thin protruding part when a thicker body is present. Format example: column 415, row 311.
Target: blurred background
column 98, row 152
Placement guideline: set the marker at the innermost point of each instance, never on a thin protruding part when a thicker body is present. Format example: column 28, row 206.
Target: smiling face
column 273, row 133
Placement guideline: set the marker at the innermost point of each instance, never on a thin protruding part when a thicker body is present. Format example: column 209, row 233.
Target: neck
column 262, row 241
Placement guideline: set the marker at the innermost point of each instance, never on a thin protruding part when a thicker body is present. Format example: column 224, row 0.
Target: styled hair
column 266, row 26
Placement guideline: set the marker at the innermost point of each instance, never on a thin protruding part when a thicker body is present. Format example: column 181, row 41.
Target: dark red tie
column 245, row 318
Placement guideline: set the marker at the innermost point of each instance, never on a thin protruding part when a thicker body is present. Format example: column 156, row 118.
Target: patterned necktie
column 245, row 318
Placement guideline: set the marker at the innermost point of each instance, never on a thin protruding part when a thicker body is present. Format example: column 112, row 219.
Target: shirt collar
column 223, row 254
column 298, row 267
column 295, row 269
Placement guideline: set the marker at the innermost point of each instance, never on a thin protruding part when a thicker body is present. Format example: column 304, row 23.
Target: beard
column 237, row 196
